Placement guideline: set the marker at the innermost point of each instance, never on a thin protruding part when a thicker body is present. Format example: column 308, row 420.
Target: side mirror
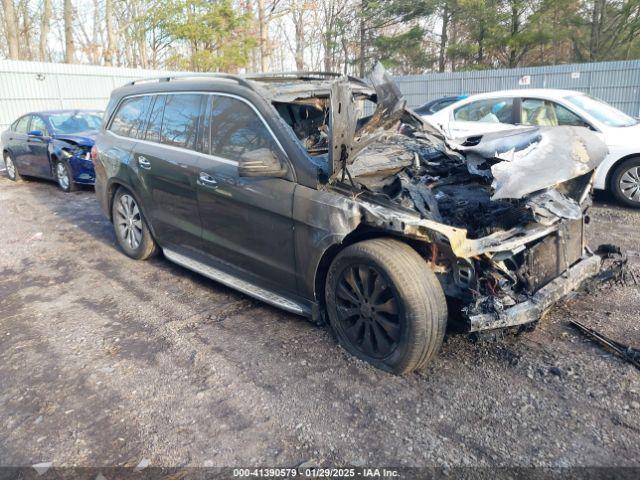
column 261, row 163
column 36, row 133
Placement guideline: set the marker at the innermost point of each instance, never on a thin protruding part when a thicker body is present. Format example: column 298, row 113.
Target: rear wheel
column 12, row 170
column 132, row 232
column 385, row 305
column 64, row 177
column 625, row 182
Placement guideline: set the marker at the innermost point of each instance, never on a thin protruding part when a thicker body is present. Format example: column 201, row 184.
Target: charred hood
column 483, row 185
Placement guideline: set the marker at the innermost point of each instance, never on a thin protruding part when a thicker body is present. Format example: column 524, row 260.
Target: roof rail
column 302, row 75
column 186, row 76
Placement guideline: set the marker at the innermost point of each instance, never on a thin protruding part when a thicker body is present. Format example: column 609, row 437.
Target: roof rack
column 302, row 75
column 243, row 80
column 186, row 76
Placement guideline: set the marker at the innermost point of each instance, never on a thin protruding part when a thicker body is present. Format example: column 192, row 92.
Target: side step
column 243, row 286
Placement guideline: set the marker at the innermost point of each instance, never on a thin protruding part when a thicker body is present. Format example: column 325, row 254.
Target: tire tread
column 422, row 295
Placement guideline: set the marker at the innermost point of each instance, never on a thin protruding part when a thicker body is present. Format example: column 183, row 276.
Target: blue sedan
column 55, row 145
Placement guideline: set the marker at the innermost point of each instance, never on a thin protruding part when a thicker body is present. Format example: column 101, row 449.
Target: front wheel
column 625, row 182
column 64, row 177
column 385, row 305
column 132, row 232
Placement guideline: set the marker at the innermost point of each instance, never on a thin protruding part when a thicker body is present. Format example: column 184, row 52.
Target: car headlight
column 79, row 152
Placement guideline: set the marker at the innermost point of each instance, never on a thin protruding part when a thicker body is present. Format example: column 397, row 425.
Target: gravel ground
column 108, row 361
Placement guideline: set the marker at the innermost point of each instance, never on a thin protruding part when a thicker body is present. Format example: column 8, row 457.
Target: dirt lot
column 107, row 361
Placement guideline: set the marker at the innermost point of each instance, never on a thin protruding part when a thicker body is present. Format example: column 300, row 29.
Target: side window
column 236, row 129
column 567, row 117
column 180, row 120
column 155, row 120
column 130, row 116
column 494, row 110
column 22, row 124
column 538, row 112
column 545, row 113
column 38, row 124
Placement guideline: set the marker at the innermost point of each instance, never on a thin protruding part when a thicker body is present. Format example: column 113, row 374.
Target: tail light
column 94, row 153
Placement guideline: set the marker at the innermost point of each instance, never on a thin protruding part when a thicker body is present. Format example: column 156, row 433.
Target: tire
column 625, row 182
column 12, row 170
column 131, row 229
column 398, row 327
column 64, row 177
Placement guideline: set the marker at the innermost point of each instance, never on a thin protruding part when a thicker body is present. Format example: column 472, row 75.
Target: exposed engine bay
column 502, row 216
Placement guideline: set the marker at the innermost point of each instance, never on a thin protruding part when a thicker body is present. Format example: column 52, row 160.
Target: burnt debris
column 630, row 354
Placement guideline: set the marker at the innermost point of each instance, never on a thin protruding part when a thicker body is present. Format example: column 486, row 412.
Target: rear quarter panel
column 112, row 167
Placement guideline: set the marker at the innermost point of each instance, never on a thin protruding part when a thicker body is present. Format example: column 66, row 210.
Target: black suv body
column 278, row 187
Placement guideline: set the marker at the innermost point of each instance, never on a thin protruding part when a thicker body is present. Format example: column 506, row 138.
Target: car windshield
column 75, row 122
column 602, row 111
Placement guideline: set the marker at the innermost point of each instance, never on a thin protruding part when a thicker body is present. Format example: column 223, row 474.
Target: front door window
column 545, row 113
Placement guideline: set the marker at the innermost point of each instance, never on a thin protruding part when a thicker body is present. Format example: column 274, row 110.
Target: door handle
column 144, row 163
column 207, row 180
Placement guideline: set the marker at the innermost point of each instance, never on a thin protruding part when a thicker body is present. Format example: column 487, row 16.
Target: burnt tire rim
column 630, row 184
column 11, row 168
column 368, row 311
column 63, row 176
column 128, row 221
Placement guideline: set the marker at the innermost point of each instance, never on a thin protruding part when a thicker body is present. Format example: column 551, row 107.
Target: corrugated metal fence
column 29, row 86
column 615, row 82
column 32, row 86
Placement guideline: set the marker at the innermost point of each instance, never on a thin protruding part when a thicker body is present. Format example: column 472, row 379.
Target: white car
column 495, row 111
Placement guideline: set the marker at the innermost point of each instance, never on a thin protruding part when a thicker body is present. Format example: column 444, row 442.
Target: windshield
column 602, row 111
column 75, row 122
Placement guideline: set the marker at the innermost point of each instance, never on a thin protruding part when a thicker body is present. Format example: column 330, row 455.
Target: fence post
column 60, row 99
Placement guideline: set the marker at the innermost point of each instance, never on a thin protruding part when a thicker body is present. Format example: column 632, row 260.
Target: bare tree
column 44, row 29
column 11, row 29
column 108, row 20
column 297, row 10
column 69, row 45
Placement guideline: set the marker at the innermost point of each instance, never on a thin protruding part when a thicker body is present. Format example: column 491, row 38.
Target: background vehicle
column 54, row 145
column 496, row 111
column 279, row 187
column 438, row 104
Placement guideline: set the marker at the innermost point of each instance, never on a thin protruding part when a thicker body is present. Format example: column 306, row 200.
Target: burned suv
column 323, row 195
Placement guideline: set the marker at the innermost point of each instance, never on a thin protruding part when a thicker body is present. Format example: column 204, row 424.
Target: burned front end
column 504, row 220
column 500, row 218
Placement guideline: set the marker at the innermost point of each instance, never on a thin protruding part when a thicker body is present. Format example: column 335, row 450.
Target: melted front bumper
column 534, row 308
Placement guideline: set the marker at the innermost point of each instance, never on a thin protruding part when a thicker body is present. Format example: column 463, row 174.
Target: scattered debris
column 308, row 464
column 630, row 354
column 615, row 269
column 41, row 468
column 144, row 463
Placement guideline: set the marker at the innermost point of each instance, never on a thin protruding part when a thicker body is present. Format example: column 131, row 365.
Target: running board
column 243, row 286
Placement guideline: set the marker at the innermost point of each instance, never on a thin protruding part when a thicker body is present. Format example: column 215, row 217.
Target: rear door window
column 155, row 120
column 22, row 125
column 493, row 110
column 130, row 116
column 236, row 129
column 181, row 119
